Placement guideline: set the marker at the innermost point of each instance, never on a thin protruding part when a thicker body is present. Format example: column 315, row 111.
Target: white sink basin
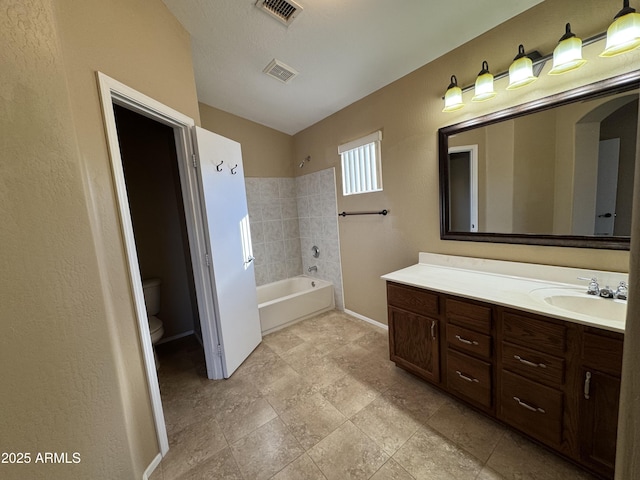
column 578, row 301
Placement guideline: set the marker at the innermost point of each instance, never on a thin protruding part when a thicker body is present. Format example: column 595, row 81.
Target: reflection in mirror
column 559, row 172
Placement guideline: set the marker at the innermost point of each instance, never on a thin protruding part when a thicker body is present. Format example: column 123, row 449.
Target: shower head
column 307, row 159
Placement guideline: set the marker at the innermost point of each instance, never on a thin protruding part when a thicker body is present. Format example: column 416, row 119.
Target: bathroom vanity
column 492, row 334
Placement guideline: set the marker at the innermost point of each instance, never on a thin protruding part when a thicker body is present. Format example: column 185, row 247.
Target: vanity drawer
column 469, row 377
column 468, row 315
column 413, row 299
column 469, row 341
column 532, row 407
column 532, row 364
column 538, row 334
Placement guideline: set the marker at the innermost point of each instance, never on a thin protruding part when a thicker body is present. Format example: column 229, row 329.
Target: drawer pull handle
column 433, row 329
column 465, row 341
column 587, row 385
column 528, row 407
column 465, row 377
column 527, row 362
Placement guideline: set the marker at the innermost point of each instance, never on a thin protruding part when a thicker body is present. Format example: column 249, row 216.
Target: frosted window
column 361, row 165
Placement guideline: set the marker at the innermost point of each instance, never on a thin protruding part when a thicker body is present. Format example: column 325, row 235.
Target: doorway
column 152, row 179
column 463, row 180
column 211, row 180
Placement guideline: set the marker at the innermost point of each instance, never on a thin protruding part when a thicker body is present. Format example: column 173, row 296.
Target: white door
column 229, row 242
column 608, row 160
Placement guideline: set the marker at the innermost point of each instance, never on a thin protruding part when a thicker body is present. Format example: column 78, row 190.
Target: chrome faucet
column 606, row 292
column 593, row 288
column 622, row 291
column 312, row 268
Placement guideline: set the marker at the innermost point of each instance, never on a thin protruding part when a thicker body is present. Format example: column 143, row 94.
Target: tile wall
column 288, row 216
column 318, row 220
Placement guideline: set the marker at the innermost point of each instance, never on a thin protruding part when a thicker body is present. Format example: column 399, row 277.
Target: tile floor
column 320, row 400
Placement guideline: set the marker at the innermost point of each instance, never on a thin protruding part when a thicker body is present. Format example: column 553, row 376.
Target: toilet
column 151, row 288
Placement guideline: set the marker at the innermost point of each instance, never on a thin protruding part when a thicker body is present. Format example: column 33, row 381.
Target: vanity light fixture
column 484, row 85
column 567, row 55
column 623, row 35
column 453, row 97
column 521, row 70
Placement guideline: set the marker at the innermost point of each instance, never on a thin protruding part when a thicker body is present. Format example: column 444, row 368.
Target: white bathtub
column 291, row 300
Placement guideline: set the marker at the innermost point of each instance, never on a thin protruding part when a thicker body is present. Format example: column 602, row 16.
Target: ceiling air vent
column 284, row 10
column 280, row 71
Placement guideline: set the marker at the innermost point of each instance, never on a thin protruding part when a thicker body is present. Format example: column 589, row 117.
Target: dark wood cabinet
column 555, row 381
column 414, row 330
column 599, row 397
column 413, row 343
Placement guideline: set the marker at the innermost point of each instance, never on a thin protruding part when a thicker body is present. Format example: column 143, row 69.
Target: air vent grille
column 284, row 10
column 280, row 71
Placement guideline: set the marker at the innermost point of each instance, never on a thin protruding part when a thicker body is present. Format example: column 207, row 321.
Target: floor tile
column 282, row 341
column 321, row 373
column 392, row 471
column 238, row 406
column 415, row 397
column 221, row 466
column 349, row 395
column 296, row 392
column 191, row 446
column 376, row 342
column 386, row 424
column 516, row 458
column 312, row 419
column 348, row 454
column 428, row 455
column 266, row 451
column 301, row 469
column 475, row 433
column 288, row 391
column 302, row 355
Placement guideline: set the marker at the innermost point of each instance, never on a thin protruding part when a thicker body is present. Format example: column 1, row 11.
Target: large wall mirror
column 556, row 171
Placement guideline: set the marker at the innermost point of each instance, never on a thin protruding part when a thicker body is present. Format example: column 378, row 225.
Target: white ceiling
column 342, row 49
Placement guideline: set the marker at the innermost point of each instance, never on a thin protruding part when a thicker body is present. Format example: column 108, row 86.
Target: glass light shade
column 453, row 97
column 521, row 71
column 567, row 55
column 623, row 35
column 484, row 85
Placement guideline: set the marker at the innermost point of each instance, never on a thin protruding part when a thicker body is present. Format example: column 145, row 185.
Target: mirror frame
column 613, row 85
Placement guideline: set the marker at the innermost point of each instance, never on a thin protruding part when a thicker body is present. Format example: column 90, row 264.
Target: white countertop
column 507, row 284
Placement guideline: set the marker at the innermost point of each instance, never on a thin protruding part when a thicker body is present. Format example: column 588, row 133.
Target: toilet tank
column 151, row 288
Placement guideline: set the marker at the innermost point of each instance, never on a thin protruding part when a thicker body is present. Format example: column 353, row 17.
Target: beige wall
column 409, row 113
column 265, row 152
column 70, row 358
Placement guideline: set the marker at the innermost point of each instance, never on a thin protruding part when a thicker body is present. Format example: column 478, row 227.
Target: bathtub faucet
column 312, row 268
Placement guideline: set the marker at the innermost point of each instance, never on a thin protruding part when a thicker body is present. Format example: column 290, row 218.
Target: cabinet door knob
column 587, row 385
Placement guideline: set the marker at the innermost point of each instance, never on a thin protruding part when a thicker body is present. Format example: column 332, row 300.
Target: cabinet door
column 413, row 343
column 599, row 420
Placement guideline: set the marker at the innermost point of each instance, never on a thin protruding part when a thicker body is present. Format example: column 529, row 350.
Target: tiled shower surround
column 288, row 216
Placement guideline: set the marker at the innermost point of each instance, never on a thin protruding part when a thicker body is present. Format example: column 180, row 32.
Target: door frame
column 113, row 92
column 472, row 150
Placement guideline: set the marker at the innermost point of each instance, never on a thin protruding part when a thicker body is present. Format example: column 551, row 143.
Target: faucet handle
column 622, row 291
column 593, row 288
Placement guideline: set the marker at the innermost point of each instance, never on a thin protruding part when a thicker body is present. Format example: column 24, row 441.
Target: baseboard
column 366, row 319
column 152, row 466
column 175, row 337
